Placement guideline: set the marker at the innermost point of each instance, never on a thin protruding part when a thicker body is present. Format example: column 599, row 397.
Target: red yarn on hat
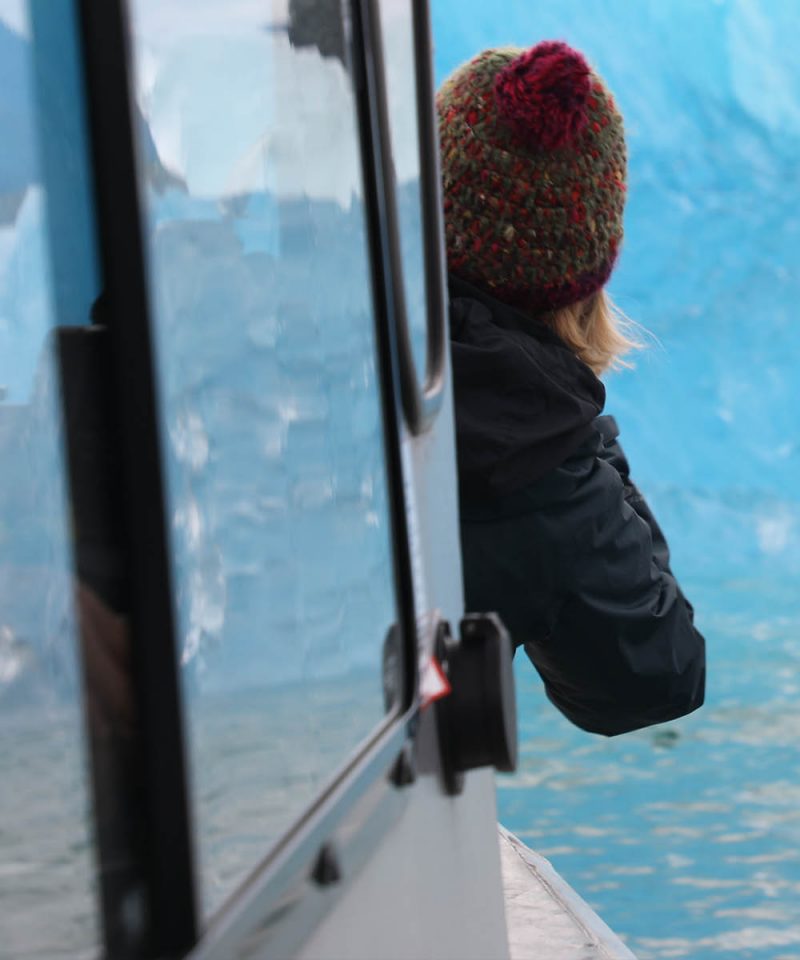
column 543, row 94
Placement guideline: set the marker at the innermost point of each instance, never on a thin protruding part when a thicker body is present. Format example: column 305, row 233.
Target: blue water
column 685, row 838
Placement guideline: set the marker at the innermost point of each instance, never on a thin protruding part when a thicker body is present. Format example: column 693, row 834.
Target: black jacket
column 555, row 536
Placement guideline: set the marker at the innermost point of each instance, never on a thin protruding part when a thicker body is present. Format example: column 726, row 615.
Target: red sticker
column 433, row 682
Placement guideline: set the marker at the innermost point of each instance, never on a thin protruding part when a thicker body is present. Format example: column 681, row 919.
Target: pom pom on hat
column 542, row 95
column 533, row 175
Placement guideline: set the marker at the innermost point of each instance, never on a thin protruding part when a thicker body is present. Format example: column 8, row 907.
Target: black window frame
column 298, row 880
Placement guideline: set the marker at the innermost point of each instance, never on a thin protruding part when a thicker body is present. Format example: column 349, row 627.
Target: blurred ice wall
column 710, row 91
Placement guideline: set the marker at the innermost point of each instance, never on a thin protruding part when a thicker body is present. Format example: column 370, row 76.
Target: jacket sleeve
column 622, row 652
column 612, row 453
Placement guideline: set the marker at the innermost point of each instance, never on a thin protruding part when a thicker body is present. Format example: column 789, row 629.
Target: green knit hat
column 533, row 163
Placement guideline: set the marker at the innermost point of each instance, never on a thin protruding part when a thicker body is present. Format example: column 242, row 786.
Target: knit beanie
column 533, row 163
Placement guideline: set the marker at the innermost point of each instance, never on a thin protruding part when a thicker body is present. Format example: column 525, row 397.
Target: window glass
column 399, row 61
column 47, row 277
column 271, row 409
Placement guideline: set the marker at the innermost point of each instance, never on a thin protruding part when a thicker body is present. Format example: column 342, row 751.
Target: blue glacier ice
column 709, row 266
column 687, row 838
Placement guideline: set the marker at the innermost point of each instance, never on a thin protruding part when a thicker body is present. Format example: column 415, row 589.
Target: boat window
column 271, row 416
column 397, row 29
column 48, row 278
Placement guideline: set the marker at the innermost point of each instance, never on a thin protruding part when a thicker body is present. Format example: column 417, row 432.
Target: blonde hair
column 597, row 330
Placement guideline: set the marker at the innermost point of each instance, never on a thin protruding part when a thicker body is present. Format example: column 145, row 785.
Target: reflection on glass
column 272, row 426
column 399, row 60
column 46, row 869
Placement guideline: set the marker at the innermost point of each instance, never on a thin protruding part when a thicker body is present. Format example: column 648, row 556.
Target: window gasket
column 169, row 920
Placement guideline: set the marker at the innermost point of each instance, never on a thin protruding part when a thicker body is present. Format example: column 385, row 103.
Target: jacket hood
column 523, row 401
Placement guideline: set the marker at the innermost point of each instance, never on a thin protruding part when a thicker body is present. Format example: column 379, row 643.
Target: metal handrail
column 421, row 402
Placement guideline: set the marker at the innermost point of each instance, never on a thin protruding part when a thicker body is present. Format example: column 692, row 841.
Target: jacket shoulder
column 551, row 491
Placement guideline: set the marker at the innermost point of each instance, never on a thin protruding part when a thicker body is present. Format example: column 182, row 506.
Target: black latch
column 477, row 721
